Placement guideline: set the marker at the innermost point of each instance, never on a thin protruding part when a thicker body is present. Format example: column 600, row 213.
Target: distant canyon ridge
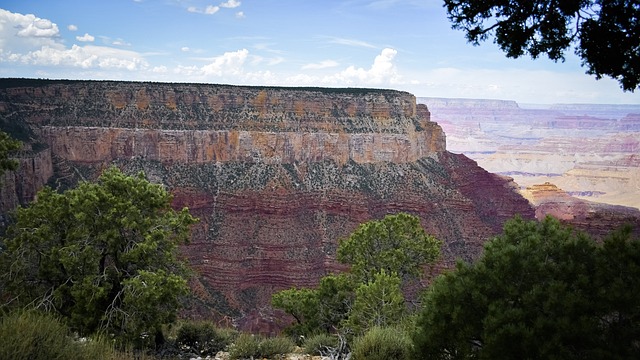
column 276, row 175
column 590, row 151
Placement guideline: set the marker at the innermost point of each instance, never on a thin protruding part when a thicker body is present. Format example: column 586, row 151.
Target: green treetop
column 540, row 291
column 102, row 255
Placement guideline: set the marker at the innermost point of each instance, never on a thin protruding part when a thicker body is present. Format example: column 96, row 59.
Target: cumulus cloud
column 230, row 4
column 22, row 33
column 209, row 10
column 29, row 40
column 85, row 38
column 39, row 28
column 240, row 15
column 84, row 57
column 185, row 49
column 229, row 63
column 382, row 71
column 320, row 65
column 72, row 28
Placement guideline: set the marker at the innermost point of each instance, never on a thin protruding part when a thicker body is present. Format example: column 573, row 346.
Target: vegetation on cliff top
column 6, row 83
column 8, row 145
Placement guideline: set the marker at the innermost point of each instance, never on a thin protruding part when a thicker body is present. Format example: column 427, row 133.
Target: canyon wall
column 588, row 150
column 277, row 176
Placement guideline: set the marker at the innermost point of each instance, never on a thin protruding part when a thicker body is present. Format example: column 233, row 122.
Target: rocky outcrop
column 594, row 218
column 35, row 167
column 276, row 175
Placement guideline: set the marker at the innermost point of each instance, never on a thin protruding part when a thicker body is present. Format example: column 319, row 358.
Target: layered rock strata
column 594, row 218
column 276, row 175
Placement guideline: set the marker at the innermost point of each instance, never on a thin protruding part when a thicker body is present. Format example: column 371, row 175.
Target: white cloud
column 120, row 42
column 29, row 40
column 160, row 69
column 230, row 4
column 240, row 15
column 381, row 72
column 39, row 28
column 72, row 28
column 185, row 49
column 351, row 42
column 229, row 63
column 23, row 33
column 20, row 32
column 85, row 57
column 320, row 65
column 209, row 10
column 85, row 38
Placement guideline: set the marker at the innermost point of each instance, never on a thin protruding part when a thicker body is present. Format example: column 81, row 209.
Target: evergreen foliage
column 396, row 244
column 377, row 303
column 102, row 255
column 382, row 253
column 539, row 291
column 606, row 32
column 8, row 145
column 203, row 338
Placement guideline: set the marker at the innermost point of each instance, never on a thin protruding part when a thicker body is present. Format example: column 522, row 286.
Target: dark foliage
column 606, row 32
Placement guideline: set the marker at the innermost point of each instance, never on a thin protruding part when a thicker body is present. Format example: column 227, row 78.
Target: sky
column 395, row 44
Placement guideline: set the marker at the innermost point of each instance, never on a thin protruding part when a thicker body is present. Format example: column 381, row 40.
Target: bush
column 246, row 346
column 276, row 346
column 382, row 344
column 249, row 346
column 203, row 338
column 33, row 336
column 319, row 344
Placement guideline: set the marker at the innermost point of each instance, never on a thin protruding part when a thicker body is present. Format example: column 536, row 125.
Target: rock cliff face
column 595, row 218
column 276, row 175
column 20, row 186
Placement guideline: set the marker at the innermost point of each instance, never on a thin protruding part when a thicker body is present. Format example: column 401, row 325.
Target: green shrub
column 271, row 347
column 245, row 346
column 203, row 338
column 33, row 336
column 248, row 346
column 382, row 344
column 319, row 343
column 103, row 349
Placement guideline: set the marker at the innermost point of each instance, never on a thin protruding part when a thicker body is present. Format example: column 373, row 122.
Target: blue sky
column 399, row 44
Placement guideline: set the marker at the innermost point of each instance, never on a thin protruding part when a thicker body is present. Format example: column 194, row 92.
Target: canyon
column 590, row 151
column 276, row 175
